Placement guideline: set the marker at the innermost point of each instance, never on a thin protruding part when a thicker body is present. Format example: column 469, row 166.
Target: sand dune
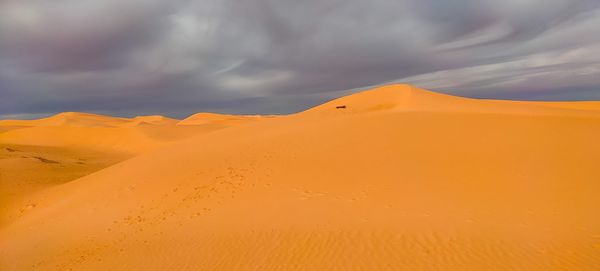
column 100, row 133
column 205, row 118
column 121, row 139
column 69, row 119
column 79, row 119
column 37, row 154
column 27, row 169
column 395, row 178
column 152, row 120
column 408, row 98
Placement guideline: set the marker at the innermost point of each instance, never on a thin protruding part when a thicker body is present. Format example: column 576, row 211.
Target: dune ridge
column 153, row 120
column 38, row 154
column 105, row 133
column 68, row 119
column 395, row 178
column 404, row 97
column 205, row 118
column 82, row 119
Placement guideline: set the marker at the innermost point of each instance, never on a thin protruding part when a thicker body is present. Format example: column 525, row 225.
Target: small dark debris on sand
column 11, row 150
column 340, row 107
column 44, row 160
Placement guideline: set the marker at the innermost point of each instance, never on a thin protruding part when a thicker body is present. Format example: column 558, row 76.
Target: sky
column 175, row 58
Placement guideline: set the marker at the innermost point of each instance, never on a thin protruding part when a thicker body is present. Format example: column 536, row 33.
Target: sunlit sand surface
column 394, row 178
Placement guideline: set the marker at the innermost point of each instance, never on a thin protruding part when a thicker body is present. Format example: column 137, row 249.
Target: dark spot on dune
column 44, row 160
column 11, row 150
column 340, row 107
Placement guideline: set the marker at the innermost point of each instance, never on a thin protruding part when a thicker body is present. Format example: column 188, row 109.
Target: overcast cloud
column 274, row 56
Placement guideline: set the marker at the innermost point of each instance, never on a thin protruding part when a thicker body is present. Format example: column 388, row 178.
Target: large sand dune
column 37, row 154
column 395, row 178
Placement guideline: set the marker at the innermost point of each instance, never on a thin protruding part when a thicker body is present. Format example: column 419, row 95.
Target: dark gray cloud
column 269, row 56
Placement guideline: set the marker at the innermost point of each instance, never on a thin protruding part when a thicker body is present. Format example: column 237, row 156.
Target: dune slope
column 38, row 154
column 27, row 169
column 399, row 179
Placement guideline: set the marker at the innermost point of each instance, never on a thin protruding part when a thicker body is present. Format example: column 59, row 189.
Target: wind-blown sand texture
column 400, row 179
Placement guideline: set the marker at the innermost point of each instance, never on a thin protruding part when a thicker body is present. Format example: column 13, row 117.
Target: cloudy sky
column 276, row 56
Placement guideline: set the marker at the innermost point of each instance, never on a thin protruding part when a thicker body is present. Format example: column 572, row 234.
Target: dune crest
column 389, row 97
column 152, row 120
column 69, row 119
column 204, row 118
column 80, row 119
column 408, row 98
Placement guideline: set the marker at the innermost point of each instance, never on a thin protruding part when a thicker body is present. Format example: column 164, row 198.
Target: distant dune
column 78, row 119
column 101, row 133
column 393, row 178
column 216, row 119
column 152, row 120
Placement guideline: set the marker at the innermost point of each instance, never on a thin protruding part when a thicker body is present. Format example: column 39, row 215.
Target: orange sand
column 400, row 179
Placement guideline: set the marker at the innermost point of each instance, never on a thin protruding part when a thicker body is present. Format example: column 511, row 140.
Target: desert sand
column 392, row 178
